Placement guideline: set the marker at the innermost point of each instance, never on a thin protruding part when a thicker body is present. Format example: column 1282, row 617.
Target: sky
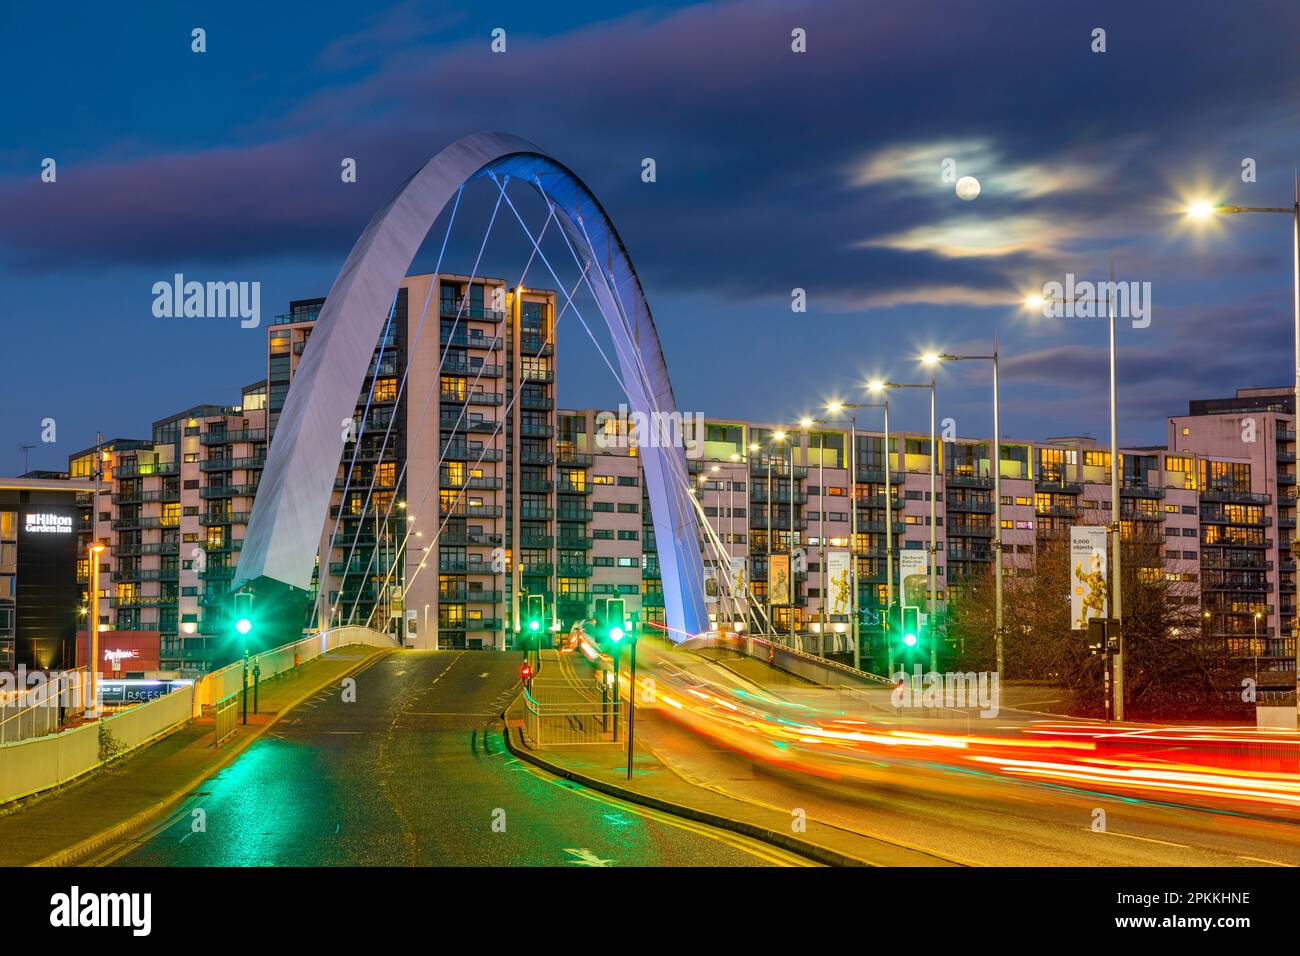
column 775, row 170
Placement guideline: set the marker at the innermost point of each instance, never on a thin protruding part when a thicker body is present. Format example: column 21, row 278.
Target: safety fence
column 225, row 713
column 572, row 723
column 38, row 710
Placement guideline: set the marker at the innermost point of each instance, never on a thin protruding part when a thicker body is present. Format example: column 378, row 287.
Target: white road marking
column 586, row 858
column 1129, row 836
column 1256, row 859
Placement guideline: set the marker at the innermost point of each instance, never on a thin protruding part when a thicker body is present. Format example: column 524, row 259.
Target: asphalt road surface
column 414, row 773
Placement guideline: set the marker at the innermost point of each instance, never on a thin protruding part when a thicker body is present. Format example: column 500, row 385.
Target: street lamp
column 92, row 626
column 1204, row 210
column 836, row 408
column 883, row 389
column 934, row 604
column 934, row 359
column 1116, row 577
column 776, row 437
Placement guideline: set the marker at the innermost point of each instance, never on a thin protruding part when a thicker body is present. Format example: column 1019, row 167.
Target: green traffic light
column 243, row 625
column 616, row 634
column 534, row 625
column 909, row 640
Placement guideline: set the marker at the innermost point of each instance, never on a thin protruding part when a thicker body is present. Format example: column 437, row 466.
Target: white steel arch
column 292, row 501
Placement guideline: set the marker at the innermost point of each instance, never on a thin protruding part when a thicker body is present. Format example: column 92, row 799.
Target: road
column 938, row 805
column 412, row 772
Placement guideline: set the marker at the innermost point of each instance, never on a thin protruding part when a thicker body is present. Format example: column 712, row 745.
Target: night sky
column 775, row 171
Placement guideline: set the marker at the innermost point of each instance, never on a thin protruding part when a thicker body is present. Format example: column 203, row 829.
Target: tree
column 1171, row 670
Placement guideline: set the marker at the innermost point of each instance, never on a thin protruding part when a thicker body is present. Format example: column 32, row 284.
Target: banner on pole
column 778, row 579
column 840, row 586
column 1089, row 593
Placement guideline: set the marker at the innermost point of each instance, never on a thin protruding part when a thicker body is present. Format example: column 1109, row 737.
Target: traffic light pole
column 631, row 709
column 615, row 702
column 245, row 694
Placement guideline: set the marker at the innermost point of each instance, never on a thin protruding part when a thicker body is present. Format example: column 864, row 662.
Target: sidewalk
column 64, row 825
column 674, row 771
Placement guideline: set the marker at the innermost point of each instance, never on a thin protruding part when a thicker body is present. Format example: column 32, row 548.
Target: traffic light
column 535, row 615
column 243, row 612
column 616, row 626
column 526, row 673
column 911, row 626
column 904, row 623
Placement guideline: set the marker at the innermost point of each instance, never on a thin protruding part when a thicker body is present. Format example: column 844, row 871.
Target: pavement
column 412, row 771
column 900, row 811
column 69, row 824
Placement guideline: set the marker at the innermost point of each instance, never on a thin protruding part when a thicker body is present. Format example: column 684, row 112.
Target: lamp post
column 1116, row 578
column 1204, row 210
column 776, row 438
column 930, row 569
column 881, row 388
column 836, row 408
column 805, row 424
column 92, row 625
column 997, row 494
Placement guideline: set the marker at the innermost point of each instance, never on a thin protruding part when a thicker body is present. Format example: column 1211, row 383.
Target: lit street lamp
column 1203, row 210
column 996, row 459
column 836, row 408
column 1116, row 577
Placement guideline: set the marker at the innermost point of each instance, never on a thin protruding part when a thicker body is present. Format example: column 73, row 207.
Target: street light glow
column 1034, row 301
column 930, row 358
column 834, row 407
column 805, row 422
column 1201, row 209
column 876, row 386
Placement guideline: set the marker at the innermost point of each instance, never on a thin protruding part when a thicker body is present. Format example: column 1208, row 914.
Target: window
column 602, row 479
column 386, row 390
column 628, row 562
column 628, row 535
column 602, row 506
column 629, row 481
column 629, row 508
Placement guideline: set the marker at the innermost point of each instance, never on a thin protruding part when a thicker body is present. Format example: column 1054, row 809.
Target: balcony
column 575, row 459
column 970, row 530
column 472, row 511
column 469, row 596
column 652, row 599
column 536, row 403
column 455, row 368
column 573, row 543
column 538, row 570
column 535, row 514
column 534, row 540
column 215, row 572
column 569, row 488
column 574, row 514
column 469, row 539
column 1141, row 490
column 969, row 481
column 232, row 464
column 573, row 570
column 471, row 397
column 758, row 469
column 463, row 423
column 131, row 469
column 536, row 458
column 229, row 437
column 477, row 484
column 470, row 339
column 461, row 309
column 974, row 507
column 536, row 485
column 228, row 491
column 536, row 431
column 758, row 492
column 457, row 451
column 1061, row 486
column 536, row 375
column 1241, row 497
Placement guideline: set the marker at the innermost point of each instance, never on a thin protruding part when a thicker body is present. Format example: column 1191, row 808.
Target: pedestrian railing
column 572, row 723
column 225, row 713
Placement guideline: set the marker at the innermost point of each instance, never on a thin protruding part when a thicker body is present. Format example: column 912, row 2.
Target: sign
column 712, row 588
column 124, row 651
column 912, row 576
column 840, row 584
column 1089, row 593
column 778, row 581
column 41, row 522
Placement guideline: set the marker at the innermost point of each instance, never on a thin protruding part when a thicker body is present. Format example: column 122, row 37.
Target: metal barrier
column 568, row 724
column 225, row 714
column 37, row 711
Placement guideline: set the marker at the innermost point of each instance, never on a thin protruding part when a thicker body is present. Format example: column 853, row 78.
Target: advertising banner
column 839, row 583
column 738, row 585
column 912, row 567
column 712, row 589
column 1089, row 595
column 778, row 579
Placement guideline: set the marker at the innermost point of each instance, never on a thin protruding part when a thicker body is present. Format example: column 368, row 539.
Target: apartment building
column 171, row 510
column 453, row 441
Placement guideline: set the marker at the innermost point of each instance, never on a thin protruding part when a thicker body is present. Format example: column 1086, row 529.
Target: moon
column 968, row 187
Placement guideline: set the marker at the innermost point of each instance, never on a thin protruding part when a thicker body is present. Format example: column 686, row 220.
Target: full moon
column 968, row 187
